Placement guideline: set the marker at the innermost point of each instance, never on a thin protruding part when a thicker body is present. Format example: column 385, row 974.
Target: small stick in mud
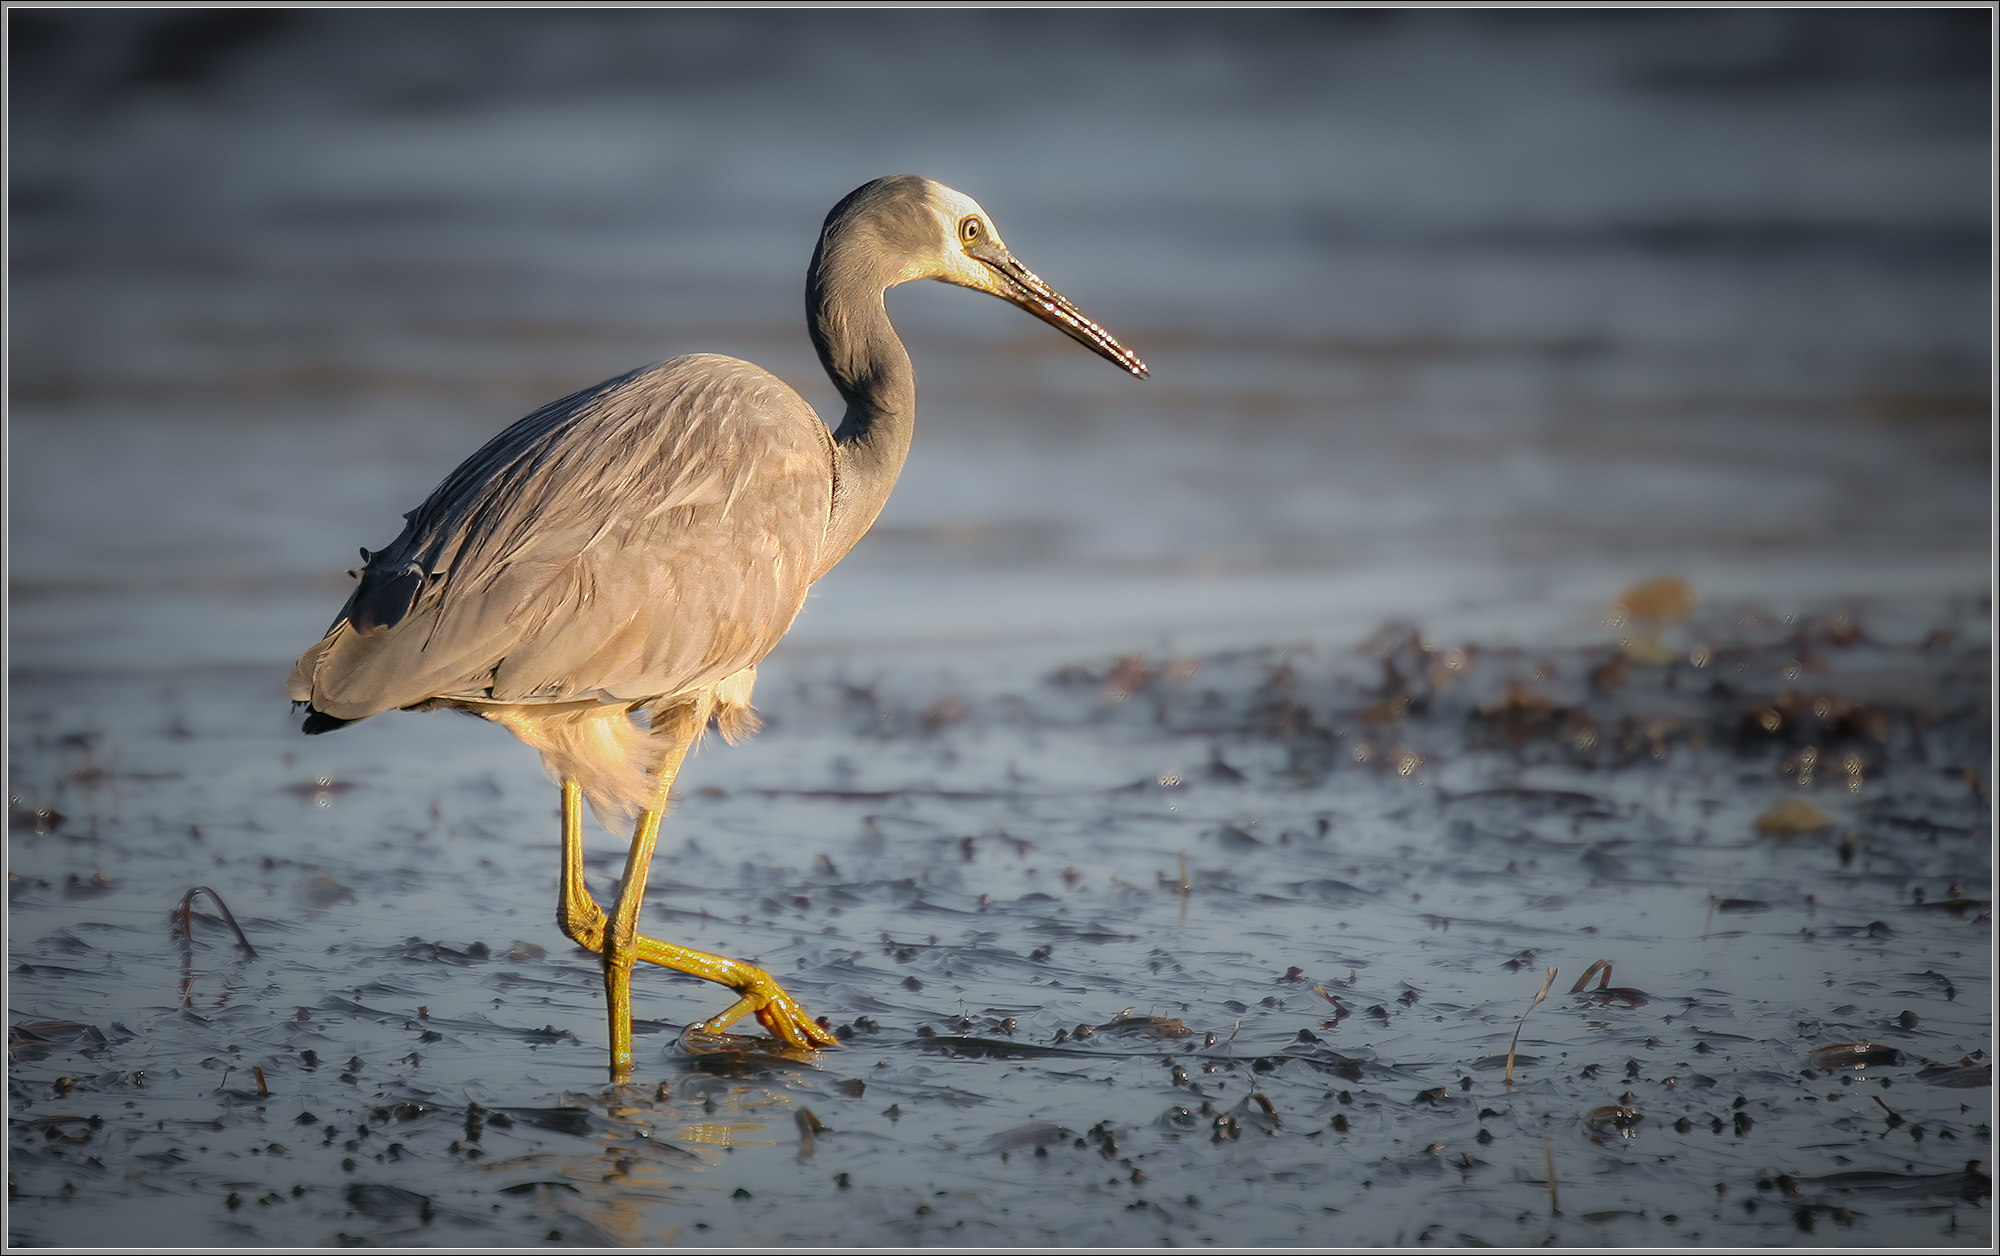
column 184, row 917
column 1508, row 1080
column 1548, row 1148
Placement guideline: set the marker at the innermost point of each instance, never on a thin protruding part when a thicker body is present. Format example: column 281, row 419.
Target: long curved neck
column 869, row 366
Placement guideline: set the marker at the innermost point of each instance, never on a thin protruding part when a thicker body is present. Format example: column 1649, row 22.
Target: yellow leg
column 619, row 951
column 577, row 913
column 617, row 939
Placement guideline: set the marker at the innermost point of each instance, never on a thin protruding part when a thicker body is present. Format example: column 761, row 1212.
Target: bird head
column 936, row 232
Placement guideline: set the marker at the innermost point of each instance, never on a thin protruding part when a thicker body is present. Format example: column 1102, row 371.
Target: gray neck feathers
column 868, row 240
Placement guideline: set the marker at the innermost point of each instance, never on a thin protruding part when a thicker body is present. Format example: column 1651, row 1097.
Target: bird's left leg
column 615, row 937
column 577, row 913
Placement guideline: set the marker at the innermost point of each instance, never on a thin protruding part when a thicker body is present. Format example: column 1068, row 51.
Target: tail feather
column 320, row 722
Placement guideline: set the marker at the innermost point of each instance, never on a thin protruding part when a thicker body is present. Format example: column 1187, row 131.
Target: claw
column 788, row 1022
column 776, row 1011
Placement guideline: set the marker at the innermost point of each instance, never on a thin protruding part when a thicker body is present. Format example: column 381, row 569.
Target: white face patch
column 952, row 207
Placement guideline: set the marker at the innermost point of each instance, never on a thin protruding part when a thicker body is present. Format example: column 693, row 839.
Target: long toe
column 788, row 1022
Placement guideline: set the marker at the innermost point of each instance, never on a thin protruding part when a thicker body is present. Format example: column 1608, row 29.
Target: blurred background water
column 1472, row 317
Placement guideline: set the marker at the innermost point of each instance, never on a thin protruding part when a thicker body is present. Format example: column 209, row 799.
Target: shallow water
column 1306, row 1044
column 1108, row 723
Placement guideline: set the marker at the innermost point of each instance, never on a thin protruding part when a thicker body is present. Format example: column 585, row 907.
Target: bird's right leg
column 586, row 923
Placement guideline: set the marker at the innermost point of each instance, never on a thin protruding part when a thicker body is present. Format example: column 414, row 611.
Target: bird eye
column 969, row 230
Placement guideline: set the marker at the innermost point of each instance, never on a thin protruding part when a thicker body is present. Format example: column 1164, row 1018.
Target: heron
column 603, row 577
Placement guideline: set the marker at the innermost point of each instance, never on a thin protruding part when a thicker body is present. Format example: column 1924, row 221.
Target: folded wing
column 635, row 540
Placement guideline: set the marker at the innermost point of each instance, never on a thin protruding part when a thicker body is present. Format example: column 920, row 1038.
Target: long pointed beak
column 1016, row 283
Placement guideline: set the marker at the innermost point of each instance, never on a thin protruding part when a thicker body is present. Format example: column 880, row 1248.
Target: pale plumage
column 602, row 577
column 632, row 543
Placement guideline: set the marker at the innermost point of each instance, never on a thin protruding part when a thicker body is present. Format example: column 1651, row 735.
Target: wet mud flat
column 1226, row 949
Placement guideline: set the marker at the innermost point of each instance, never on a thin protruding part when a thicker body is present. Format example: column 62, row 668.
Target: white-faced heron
column 603, row 577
